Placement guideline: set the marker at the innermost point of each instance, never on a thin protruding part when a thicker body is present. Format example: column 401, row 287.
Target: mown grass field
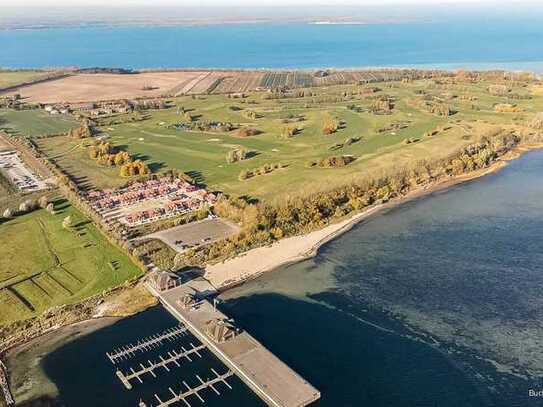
column 33, row 123
column 203, row 154
column 43, row 264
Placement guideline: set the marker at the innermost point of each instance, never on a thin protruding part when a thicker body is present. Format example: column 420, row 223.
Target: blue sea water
column 515, row 43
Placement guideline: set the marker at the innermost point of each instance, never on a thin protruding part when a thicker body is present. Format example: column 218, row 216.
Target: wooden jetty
column 194, row 391
column 172, row 358
column 271, row 379
column 146, row 344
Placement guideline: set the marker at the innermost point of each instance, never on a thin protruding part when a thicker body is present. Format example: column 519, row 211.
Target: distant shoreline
column 445, row 67
column 200, row 23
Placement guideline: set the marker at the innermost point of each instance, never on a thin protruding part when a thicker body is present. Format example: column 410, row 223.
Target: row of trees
column 265, row 169
column 335, row 161
column 134, row 168
column 107, row 154
column 28, row 206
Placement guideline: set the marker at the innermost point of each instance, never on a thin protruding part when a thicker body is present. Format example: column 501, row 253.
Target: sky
column 211, row 3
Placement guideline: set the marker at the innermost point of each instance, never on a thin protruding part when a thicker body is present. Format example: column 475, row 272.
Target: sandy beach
column 293, row 249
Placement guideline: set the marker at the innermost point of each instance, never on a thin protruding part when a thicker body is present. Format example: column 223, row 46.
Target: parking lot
column 15, row 170
column 181, row 238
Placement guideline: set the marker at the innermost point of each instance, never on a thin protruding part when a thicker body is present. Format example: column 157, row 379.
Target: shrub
column 330, row 127
column 247, row 132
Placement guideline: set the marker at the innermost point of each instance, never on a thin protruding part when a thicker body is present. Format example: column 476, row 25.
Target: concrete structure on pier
column 271, row 379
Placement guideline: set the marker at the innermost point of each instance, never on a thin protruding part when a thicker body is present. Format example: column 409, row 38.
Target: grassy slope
column 30, row 245
column 203, row 154
column 33, row 123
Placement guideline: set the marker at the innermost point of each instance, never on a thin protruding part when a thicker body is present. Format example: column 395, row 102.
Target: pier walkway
column 271, row 379
column 173, row 358
column 146, row 344
column 182, row 396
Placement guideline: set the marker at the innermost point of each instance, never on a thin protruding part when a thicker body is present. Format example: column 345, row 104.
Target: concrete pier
column 271, row 379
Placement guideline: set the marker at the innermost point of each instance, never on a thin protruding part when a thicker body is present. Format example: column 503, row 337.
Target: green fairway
column 43, row 264
column 376, row 145
column 32, row 123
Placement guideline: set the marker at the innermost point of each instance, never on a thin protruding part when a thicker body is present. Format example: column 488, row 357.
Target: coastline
column 255, row 262
column 286, row 251
column 26, row 378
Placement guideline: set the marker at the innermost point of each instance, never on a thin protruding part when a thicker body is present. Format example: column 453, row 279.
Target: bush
column 330, row 127
column 247, row 132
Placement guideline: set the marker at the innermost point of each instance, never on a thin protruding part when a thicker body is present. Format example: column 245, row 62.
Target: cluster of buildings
column 11, row 101
column 150, row 201
column 105, row 108
column 57, row 109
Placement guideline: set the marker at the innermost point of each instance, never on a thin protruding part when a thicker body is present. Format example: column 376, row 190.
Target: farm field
column 14, row 78
column 85, row 87
column 375, row 143
column 43, row 264
column 33, row 123
column 92, row 87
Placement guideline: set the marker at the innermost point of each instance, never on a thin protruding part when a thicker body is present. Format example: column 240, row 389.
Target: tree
column 125, row 170
column 239, row 154
column 330, row 127
column 289, row 131
column 119, row 159
column 244, row 174
column 93, row 153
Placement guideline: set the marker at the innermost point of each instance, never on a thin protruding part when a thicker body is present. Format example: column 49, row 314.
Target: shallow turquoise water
column 479, row 42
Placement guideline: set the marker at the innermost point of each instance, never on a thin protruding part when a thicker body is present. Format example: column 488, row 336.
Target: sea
column 480, row 42
column 436, row 302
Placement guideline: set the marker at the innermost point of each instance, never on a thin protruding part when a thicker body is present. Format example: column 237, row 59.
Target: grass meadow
column 43, row 264
column 33, row 123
